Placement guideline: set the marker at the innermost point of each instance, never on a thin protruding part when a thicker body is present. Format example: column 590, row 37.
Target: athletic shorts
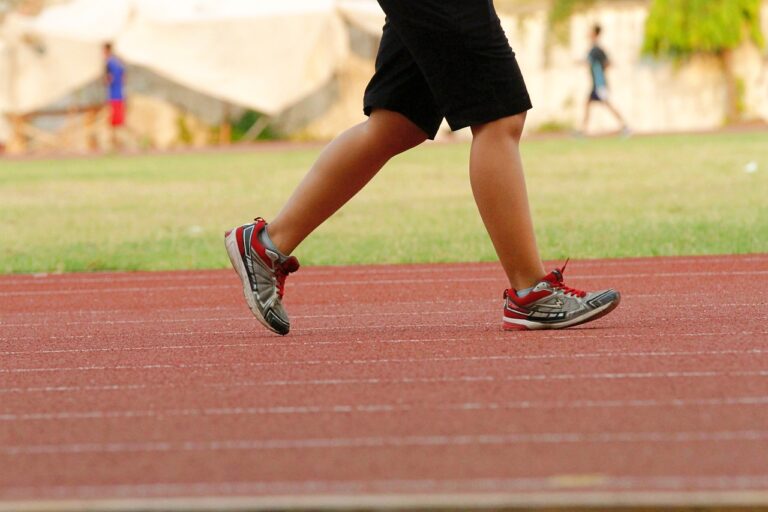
column 445, row 59
column 599, row 94
column 117, row 117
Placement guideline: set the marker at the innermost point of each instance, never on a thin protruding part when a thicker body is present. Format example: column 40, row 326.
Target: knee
column 511, row 127
column 393, row 132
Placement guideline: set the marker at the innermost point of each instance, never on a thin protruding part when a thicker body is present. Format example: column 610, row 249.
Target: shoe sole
column 525, row 325
column 230, row 242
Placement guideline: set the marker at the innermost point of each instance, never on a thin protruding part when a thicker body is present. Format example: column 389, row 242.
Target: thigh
column 463, row 53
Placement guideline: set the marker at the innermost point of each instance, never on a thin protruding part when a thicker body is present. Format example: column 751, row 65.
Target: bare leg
column 615, row 113
column 584, row 125
column 498, row 184
column 343, row 168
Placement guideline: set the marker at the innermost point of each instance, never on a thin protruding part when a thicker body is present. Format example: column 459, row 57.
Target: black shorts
column 445, row 59
column 598, row 94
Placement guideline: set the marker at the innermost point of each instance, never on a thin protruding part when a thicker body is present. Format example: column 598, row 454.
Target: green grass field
column 646, row 196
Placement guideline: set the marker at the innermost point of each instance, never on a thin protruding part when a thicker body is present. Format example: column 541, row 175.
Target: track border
column 552, row 502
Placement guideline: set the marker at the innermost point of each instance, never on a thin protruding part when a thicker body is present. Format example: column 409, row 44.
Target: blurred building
column 195, row 66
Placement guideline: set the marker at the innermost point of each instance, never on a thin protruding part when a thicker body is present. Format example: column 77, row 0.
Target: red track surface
column 394, row 381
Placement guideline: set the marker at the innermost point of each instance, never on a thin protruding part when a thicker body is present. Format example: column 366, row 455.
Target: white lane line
column 597, row 480
column 330, row 306
column 112, row 291
column 591, row 490
column 408, row 381
column 347, row 409
column 81, row 313
column 759, row 436
column 732, row 336
column 135, row 321
column 509, row 378
column 606, row 353
column 80, row 389
column 244, row 318
column 241, row 317
column 405, row 360
column 440, row 268
column 257, row 335
column 134, row 349
column 257, row 332
column 377, row 282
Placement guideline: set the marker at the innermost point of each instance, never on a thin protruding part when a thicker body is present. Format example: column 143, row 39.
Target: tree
column 682, row 28
column 560, row 13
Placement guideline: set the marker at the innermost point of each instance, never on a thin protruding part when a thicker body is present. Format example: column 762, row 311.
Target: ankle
column 524, row 280
column 268, row 240
column 521, row 284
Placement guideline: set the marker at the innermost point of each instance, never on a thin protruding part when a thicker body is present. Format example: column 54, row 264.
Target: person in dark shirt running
column 598, row 64
column 114, row 79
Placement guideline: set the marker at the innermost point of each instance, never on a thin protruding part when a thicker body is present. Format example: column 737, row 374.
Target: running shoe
column 550, row 304
column 262, row 272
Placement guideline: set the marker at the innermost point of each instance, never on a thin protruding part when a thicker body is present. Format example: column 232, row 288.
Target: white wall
column 652, row 95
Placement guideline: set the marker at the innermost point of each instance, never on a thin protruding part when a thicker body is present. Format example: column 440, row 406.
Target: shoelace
column 560, row 285
column 281, row 272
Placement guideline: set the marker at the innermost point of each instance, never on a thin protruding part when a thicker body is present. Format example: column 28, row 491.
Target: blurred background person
column 598, row 64
column 114, row 79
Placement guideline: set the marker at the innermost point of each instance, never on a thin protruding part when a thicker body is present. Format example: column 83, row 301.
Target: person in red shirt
column 114, row 78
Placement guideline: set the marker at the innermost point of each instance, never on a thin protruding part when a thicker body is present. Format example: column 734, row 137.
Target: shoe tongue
column 554, row 277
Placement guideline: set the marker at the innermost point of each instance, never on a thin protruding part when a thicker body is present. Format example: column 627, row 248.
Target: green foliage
column 562, row 10
column 246, row 121
column 554, row 126
column 680, row 28
column 185, row 134
column 560, row 14
column 741, row 93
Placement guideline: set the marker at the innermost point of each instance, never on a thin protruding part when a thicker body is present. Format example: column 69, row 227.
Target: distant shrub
column 249, row 120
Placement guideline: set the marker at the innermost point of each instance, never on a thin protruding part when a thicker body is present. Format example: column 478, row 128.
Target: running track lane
column 396, row 387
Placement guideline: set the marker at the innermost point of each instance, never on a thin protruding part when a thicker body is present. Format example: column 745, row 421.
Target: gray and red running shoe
column 550, row 304
column 262, row 273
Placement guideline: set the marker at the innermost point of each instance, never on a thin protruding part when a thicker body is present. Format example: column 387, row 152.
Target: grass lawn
column 645, row 196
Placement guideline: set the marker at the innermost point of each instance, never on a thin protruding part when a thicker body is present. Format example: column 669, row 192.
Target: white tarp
column 262, row 54
column 266, row 56
column 92, row 21
column 38, row 69
column 363, row 14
